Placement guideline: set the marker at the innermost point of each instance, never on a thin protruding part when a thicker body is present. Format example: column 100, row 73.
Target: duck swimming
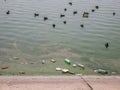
column 54, row 25
column 113, row 13
column 8, row 12
column 36, row 14
column 107, row 45
column 93, row 10
column 82, row 25
column 75, row 12
column 62, row 15
column 64, row 22
column 45, row 18
column 65, row 9
column 70, row 3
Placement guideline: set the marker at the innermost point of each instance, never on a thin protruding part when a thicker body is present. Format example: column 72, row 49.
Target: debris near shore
column 4, row 67
column 101, row 71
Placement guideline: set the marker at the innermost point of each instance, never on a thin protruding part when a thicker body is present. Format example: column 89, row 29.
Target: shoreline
column 59, row 82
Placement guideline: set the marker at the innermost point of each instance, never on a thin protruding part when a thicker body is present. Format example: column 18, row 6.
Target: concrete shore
column 59, row 82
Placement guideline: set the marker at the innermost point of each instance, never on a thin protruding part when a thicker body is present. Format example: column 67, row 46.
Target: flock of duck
column 85, row 15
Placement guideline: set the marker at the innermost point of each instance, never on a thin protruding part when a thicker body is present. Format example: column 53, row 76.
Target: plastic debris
column 78, row 74
column 101, row 71
column 85, row 14
column 43, row 61
column 58, row 69
column 52, row 60
column 70, row 72
column 67, row 61
column 16, row 58
column 65, row 70
column 81, row 65
column 4, row 67
column 74, row 65
column 21, row 72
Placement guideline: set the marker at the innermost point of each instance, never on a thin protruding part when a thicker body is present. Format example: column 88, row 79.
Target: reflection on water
column 34, row 36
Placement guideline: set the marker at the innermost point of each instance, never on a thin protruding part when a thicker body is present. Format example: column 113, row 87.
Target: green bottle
column 67, row 61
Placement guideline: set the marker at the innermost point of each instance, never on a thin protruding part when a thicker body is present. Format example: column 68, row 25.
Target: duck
column 93, row 10
column 75, row 12
column 36, row 14
column 62, row 15
column 82, row 25
column 107, row 45
column 64, row 22
column 45, row 18
column 65, row 9
column 54, row 25
column 70, row 3
column 114, row 13
column 8, row 12
column 96, row 7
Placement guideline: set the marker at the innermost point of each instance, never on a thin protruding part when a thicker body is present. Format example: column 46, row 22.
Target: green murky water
column 32, row 38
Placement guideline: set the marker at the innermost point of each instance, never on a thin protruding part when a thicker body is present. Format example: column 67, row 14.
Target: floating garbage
column 78, row 74
column 70, row 72
column 31, row 63
column 21, row 72
column 52, row 60
column 4, row 67
column 58, row 69
column 74, row 65
column 85, row 14
column 43, row 61
column 65, row 70
column 23, row 62
column 81, row 65
column 114, row 73
column 67, row 61
column 16, row 58
column 101, row 71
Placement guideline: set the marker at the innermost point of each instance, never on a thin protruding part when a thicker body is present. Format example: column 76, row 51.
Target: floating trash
column 58, row 69
column 43, row 61
column 21, row 72
column 52, row 60
column 70, row 72
column 74, row 65
column 81, row 65
column 16, row 58
column 67, row 61
column 31, row 63
column 85, row 14
column 101, row 71
column 4, row 67
column 114, row 73
column 78, row 74
column 65, row 70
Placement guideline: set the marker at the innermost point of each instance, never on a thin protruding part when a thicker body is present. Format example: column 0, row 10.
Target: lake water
column 31, row 36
